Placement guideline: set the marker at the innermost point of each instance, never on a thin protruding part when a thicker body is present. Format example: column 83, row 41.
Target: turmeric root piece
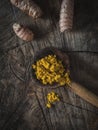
column 66, row 15
column 23, row 32
column 29, row 7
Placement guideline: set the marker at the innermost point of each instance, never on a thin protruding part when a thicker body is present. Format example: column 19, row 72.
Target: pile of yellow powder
column 50, row 70
column 52, row 97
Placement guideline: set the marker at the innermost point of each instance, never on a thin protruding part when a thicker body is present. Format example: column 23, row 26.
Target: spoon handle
column 84, row 93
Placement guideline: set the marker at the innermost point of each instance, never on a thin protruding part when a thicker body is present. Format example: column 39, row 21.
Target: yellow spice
column 51, row 98
column 49, row 70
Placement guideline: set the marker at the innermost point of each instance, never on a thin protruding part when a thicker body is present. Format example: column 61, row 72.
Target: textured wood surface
column 18, row 110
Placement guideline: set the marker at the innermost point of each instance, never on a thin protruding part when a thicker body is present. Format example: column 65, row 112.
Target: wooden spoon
column 77, row 88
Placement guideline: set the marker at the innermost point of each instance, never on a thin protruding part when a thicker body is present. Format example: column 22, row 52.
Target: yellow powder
column 51, row 98
column 50, row 70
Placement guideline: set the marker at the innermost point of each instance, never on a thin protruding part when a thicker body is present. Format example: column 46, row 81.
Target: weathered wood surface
column 18, row 111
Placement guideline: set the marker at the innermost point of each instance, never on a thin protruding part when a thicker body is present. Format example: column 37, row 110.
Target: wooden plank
column 17, row 110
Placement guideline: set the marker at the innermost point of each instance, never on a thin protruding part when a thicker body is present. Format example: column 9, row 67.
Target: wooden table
column 18, row 110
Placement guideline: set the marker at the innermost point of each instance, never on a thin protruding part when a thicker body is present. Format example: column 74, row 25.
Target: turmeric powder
column 51, row 98
column 50, row 70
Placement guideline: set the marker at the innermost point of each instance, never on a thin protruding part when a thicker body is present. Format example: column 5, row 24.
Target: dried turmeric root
column 23, row 32
column 29, row 7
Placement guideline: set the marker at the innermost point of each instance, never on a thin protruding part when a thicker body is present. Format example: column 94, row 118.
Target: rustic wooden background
column 18, row 110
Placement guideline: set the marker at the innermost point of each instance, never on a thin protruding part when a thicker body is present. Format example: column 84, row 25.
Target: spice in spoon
column 50, row 70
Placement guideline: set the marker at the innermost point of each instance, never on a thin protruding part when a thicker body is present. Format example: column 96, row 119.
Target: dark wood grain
column 21, row 111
